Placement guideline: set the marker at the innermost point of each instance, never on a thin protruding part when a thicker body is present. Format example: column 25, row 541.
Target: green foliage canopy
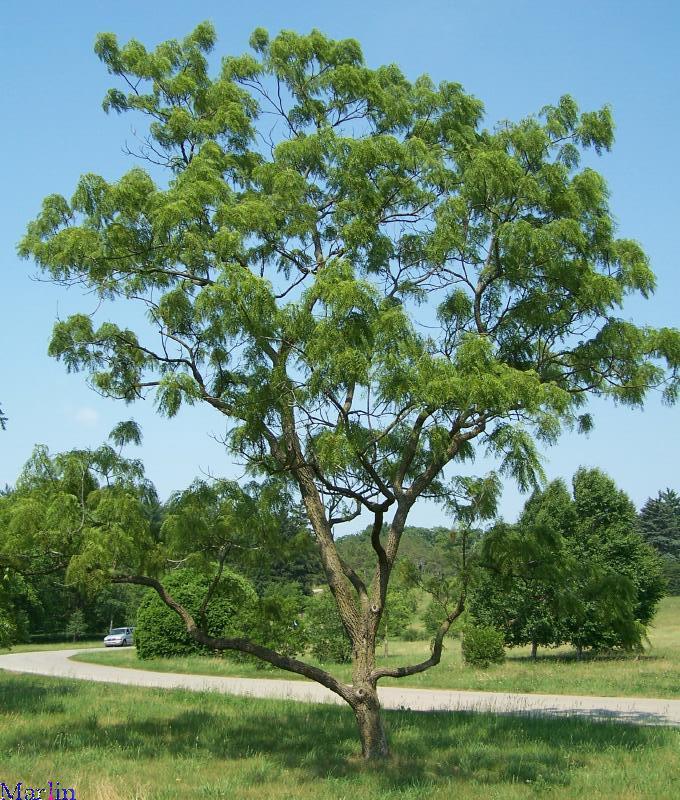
column 290, row 272
column 607, row 535
column 573, row 569
column 86, row 511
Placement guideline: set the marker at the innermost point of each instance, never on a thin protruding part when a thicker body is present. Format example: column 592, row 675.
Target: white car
column 119, row 637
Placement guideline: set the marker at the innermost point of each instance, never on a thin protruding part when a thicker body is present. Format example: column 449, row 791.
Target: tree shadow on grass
column 571, row 657
column 317, row 742
column 18, row 696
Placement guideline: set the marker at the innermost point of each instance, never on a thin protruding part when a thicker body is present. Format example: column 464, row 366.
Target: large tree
column 63, row 512
column 629, row 574
column 525, row 586
column 75, row 515
column 366, row 283
column 571, row 570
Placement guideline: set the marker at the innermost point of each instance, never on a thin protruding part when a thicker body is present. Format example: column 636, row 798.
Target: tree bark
column 534, row 650
column 366, row 707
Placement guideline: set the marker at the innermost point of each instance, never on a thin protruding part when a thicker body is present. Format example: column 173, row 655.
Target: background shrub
column 413, row 634
column 482, row 645
column 235, row 610
column 231, row 612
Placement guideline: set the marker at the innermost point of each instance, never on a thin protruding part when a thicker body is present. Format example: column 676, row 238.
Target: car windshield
column 116, row 631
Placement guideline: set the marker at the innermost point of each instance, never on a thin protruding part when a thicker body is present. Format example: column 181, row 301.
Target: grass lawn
column 127, row 743
column 654, row 674
column 31, row 648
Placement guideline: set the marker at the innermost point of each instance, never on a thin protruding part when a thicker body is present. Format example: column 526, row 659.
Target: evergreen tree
column 660, row 527
column 75, row 627
column 660, row 523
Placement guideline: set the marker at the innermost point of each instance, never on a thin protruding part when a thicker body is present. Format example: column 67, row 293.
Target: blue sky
column 515, row 57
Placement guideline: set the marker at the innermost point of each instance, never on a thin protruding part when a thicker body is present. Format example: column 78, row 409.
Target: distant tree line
column 579, row 566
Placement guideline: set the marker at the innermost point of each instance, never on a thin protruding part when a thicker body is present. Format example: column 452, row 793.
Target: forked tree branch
column 435, row 657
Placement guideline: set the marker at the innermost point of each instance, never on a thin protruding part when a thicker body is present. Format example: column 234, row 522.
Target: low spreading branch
column 241, row 645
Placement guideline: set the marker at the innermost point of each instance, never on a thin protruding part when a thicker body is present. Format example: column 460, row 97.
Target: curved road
column 637, row 710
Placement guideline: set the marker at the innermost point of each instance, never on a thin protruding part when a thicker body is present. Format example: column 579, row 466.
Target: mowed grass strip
column 110, row 741
column 32, row 647
column 656, row 673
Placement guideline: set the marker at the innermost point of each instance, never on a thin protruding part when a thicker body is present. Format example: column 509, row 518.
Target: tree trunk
column 534, row 650
column 374, row 745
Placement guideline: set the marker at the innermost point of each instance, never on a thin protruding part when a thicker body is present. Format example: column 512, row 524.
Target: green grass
column 138, row 744
column 30, row 648
column 656, row 673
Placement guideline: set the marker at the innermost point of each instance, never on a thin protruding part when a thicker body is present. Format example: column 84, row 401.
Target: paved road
column 638, row 710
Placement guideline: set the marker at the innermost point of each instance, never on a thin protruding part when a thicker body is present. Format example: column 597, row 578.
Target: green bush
column 328, row 639
column 482, row 645
column 235, row 610
column 231, row 612
column 413, row 634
